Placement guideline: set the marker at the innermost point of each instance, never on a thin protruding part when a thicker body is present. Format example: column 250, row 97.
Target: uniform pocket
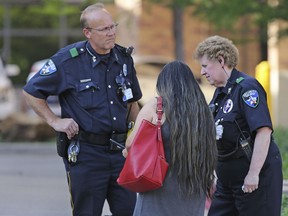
column 86, row 92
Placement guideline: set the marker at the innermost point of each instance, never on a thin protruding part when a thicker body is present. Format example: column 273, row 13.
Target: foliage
column 225, row 14
column 284, row 210
column 281, row 137
column 46, row 15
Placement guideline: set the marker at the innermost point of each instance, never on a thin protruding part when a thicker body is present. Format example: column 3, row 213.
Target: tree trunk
column 263, row 38
column 178, row 32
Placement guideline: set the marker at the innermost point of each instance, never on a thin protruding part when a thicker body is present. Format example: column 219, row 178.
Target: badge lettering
column 251, row 98
column 48, row 68
column 127, row 94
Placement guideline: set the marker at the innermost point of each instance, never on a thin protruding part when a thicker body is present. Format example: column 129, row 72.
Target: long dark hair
column 192, row 129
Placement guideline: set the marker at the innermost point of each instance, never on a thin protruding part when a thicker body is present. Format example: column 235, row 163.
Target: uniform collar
column 96, row 59
column 116, row 56
column 230, row 82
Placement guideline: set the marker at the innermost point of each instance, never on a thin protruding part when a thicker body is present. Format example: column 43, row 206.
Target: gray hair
column 88, row 10
column 216, row 46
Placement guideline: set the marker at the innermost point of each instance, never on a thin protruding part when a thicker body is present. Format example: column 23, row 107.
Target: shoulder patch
column 251, row 98
column 48, row 68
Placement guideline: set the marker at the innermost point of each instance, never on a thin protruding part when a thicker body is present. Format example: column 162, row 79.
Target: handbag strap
column 159, row 111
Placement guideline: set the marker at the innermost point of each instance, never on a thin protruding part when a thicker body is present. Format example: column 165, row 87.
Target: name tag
column 127, row 94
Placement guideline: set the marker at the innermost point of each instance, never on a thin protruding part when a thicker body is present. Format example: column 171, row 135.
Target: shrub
column 281, row 137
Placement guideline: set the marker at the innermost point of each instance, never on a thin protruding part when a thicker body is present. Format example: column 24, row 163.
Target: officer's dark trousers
column 92, row 179
column 230, row 200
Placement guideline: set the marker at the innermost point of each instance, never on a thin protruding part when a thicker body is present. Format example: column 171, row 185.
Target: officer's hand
column 251, row 182
column 67, row 125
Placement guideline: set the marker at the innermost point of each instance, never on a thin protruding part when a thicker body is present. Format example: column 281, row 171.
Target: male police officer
column 98, row 93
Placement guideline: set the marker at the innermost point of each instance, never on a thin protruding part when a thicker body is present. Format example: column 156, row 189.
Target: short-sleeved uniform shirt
column 89, row 86
column 243, row 100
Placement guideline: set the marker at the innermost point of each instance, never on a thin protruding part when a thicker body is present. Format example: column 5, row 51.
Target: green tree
column 38, row 30
column 225, row 14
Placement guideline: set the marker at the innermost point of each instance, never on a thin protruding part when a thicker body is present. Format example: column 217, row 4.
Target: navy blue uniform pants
column 230, row 200
column 92, row 179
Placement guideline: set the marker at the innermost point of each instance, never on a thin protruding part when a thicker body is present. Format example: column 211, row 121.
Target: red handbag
column 145, row 167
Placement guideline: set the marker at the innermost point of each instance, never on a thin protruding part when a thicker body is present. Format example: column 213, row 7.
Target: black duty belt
column 232, row 155
column 101, row 139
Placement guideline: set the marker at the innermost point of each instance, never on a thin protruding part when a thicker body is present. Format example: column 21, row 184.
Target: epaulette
column 69, row 52
column 125, row 50
column 77, row 49
column 239, row 79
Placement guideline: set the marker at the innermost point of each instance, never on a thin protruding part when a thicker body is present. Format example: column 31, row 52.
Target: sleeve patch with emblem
column 251, row 98
column 48, row 68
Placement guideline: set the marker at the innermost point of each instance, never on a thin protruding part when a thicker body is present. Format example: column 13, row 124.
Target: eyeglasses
column 106, row 29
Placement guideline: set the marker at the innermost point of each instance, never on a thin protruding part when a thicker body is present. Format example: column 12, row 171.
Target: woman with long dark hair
column 188, row 133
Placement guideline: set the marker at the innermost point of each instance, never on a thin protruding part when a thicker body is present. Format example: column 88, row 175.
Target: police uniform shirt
column 87, row 87
column 242, row 99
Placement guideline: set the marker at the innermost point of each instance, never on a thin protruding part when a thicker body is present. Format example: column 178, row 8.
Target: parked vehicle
column 8, row 98
column 36, row 66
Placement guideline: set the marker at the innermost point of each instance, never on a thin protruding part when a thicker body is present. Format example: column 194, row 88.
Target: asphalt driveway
column 33, row 181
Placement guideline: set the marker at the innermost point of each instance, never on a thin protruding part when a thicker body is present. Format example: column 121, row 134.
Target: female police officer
column 97, row 84
column 249, row 168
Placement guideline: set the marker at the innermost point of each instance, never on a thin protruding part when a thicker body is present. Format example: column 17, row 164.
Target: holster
column 117, row 141
column 62, row 144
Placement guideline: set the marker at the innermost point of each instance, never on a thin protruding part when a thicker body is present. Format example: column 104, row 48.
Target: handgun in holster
column 62, row 144
column 117, row 141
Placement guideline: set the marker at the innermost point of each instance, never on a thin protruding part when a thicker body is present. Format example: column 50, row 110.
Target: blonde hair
column 216, row 46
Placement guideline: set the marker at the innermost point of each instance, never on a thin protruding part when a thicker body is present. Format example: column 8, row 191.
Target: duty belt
column 101, row 139
column 238, row 153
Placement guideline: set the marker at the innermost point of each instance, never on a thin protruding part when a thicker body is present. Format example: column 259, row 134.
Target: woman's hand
column 125, row 152
column 251, row 182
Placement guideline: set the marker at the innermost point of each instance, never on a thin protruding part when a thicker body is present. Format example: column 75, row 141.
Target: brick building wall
column 151, row 33
column 154, row 36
